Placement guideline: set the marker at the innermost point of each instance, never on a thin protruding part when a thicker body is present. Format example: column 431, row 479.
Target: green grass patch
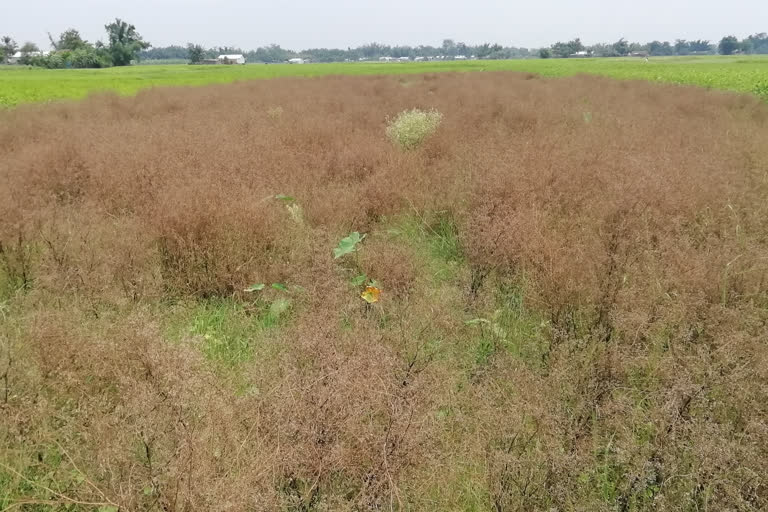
column 35, row 480
column 510, row 327
column 506, row 324
column 436, row 237
column 231, row 332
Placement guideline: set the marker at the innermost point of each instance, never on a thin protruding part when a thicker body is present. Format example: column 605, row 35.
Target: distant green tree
column 660, row 48
column 401, row 51
column 564, row 50
column 700, row 46
column 29, row 47
column 195, row 53
column 26, row 50
column 758, row 43
column 328, row 54
column 420, row 51
column 87, row 57
column 486, row 50
column 175, row 52
column 372, row 50
column 728, row 45
column 124, row 42
column 560, row 50
column 273, row 53
column 621, row 47
column 682, row 47
column 498, row 52
column 68, row 40
column 9, row 47
column 602, row 50
column 483, row 50
column 449, row 47
column 545, row 53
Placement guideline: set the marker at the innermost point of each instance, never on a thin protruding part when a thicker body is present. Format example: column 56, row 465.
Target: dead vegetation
column 573, row 315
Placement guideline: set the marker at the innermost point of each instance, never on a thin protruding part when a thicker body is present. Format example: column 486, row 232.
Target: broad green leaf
column 107, row 508
column 280, row 286
column 255, row 287
column 283, row 197
column 359, row 280
column 348, row 244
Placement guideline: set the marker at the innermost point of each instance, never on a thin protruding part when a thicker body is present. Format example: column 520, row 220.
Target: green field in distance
column 20, row 84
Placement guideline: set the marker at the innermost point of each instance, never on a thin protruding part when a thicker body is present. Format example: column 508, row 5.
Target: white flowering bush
column 409, row 129
column 275, row 113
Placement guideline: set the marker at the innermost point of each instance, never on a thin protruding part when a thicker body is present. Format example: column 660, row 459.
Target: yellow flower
column 371, row 294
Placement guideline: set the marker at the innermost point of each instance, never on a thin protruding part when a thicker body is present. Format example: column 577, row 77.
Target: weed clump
column 411, row 127
column 275, row 113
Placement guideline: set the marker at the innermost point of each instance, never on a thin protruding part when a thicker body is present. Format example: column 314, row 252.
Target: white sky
column 300, row 24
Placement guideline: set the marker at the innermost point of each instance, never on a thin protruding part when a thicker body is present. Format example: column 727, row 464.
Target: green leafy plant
column 362, row 279
column 348, row 245
column 411, row 127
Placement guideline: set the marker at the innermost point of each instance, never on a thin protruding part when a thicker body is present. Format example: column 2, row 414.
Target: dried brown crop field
column 573, row 313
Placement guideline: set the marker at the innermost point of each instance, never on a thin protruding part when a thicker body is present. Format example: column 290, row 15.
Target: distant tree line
column 729, row 45
column 126, row 45
column 70, row 50
column 275, row 53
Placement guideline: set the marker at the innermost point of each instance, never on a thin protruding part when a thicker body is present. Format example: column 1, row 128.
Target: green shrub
column 88, row 57
column 411, row 127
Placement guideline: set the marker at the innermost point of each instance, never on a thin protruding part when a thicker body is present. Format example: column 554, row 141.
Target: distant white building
column 231, row 59
column 386, row 59
column 404, row 59
column 460, row 57
column 296, row 61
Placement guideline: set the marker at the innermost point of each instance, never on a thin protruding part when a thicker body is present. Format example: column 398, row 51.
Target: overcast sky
column 300, row 24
